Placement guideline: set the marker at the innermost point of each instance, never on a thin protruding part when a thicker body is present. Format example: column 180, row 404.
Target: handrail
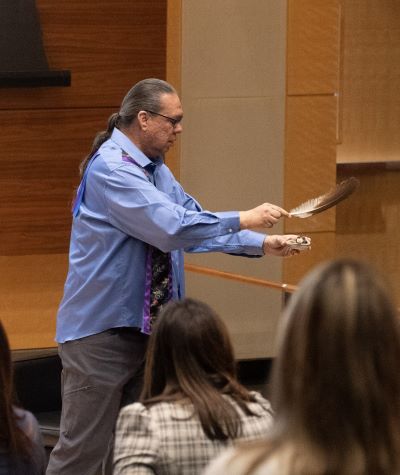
column 239, row 278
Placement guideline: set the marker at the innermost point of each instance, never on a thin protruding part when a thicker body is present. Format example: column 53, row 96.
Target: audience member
column 21, row 449
column 336, row 386
column 192, row 405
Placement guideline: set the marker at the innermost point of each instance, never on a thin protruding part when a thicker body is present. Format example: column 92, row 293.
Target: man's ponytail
column 100, row 138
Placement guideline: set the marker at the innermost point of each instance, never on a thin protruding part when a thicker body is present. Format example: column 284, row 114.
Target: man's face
column 162, row 130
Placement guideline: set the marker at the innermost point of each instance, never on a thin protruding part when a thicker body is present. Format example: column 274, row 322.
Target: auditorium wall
column 45, row 132
column 368, row 224
column 271, row 93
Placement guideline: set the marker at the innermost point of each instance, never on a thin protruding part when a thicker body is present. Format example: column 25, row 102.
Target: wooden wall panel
column 310, row 163
column 310, row 170
column 313, row 52
column 31, row 289
column 174, row 70
column 368, row 223
column 313, row 67
column 108, row 46
column 370, row 116
column 323, row 248
column 39, row 161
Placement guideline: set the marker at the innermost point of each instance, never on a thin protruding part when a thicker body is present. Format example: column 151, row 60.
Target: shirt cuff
column 230, row 221
column 254, row 243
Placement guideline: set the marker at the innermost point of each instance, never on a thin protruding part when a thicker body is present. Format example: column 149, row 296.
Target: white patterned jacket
column 167, row 438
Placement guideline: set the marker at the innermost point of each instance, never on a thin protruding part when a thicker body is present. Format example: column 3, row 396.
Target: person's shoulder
column 110, row 156
column 174, row 410
column 133, row 409
column 134, row 417
column 157, row 417
column 152, row 410
column 260, row 399
column 113, row 165
column 259, row 404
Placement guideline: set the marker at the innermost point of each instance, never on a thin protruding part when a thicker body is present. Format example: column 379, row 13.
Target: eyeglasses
column 171, row 120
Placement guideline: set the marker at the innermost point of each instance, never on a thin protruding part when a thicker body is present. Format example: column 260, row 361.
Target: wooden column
column 313, row 64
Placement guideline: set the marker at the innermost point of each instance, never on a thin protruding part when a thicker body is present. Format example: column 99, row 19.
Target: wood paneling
column 368, row 223
column 310, row 163
column 108, row 46
column 31, row 289
column 370, row 116
column 174, row 43
column 313, row 63
column 39, row 162
column 45, row 133
column 313, row 46
column 174, row 69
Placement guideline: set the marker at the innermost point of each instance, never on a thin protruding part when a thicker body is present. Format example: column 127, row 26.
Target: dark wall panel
column 107, row 46
column 45, row 132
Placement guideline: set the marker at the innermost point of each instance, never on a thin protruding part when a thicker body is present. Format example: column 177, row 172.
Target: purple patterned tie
column 158, row 287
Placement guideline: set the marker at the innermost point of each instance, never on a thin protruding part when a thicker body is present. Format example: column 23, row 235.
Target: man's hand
column 286, row 245
column 263, row 216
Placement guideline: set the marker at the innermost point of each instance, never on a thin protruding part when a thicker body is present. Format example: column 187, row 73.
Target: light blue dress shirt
column 126, row 206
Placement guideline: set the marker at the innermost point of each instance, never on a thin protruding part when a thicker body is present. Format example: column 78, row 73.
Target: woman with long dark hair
column 336, row 385
column 192, row 405
column 21, row 450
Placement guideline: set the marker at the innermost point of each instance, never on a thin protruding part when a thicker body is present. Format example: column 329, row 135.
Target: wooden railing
column 240, row 278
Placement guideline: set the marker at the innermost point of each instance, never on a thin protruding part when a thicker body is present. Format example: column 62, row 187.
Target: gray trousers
column 101, row 373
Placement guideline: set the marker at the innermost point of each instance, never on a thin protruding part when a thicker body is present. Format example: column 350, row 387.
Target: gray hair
column 144, row 95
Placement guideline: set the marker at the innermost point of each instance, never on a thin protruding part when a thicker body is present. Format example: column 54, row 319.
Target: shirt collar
column 126, row 144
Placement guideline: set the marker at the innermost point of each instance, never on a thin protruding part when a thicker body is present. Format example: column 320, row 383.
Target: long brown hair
column 335, row 383
column 144, row 95
column 12, row 439
column 190, row 357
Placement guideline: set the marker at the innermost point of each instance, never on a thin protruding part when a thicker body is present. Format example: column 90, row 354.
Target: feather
column 323, row 202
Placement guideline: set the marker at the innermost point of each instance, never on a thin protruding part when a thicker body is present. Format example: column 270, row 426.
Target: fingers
column 273, row 245
column 300, row 243
column 281, row 211
column 286, row 245
column 272, row 214
column 273, row 217
column 265, row 215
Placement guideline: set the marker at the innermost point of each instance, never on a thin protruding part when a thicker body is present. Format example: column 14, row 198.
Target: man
column 132, row 223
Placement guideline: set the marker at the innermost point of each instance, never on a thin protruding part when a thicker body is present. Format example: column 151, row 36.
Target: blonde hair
column 335, row 383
